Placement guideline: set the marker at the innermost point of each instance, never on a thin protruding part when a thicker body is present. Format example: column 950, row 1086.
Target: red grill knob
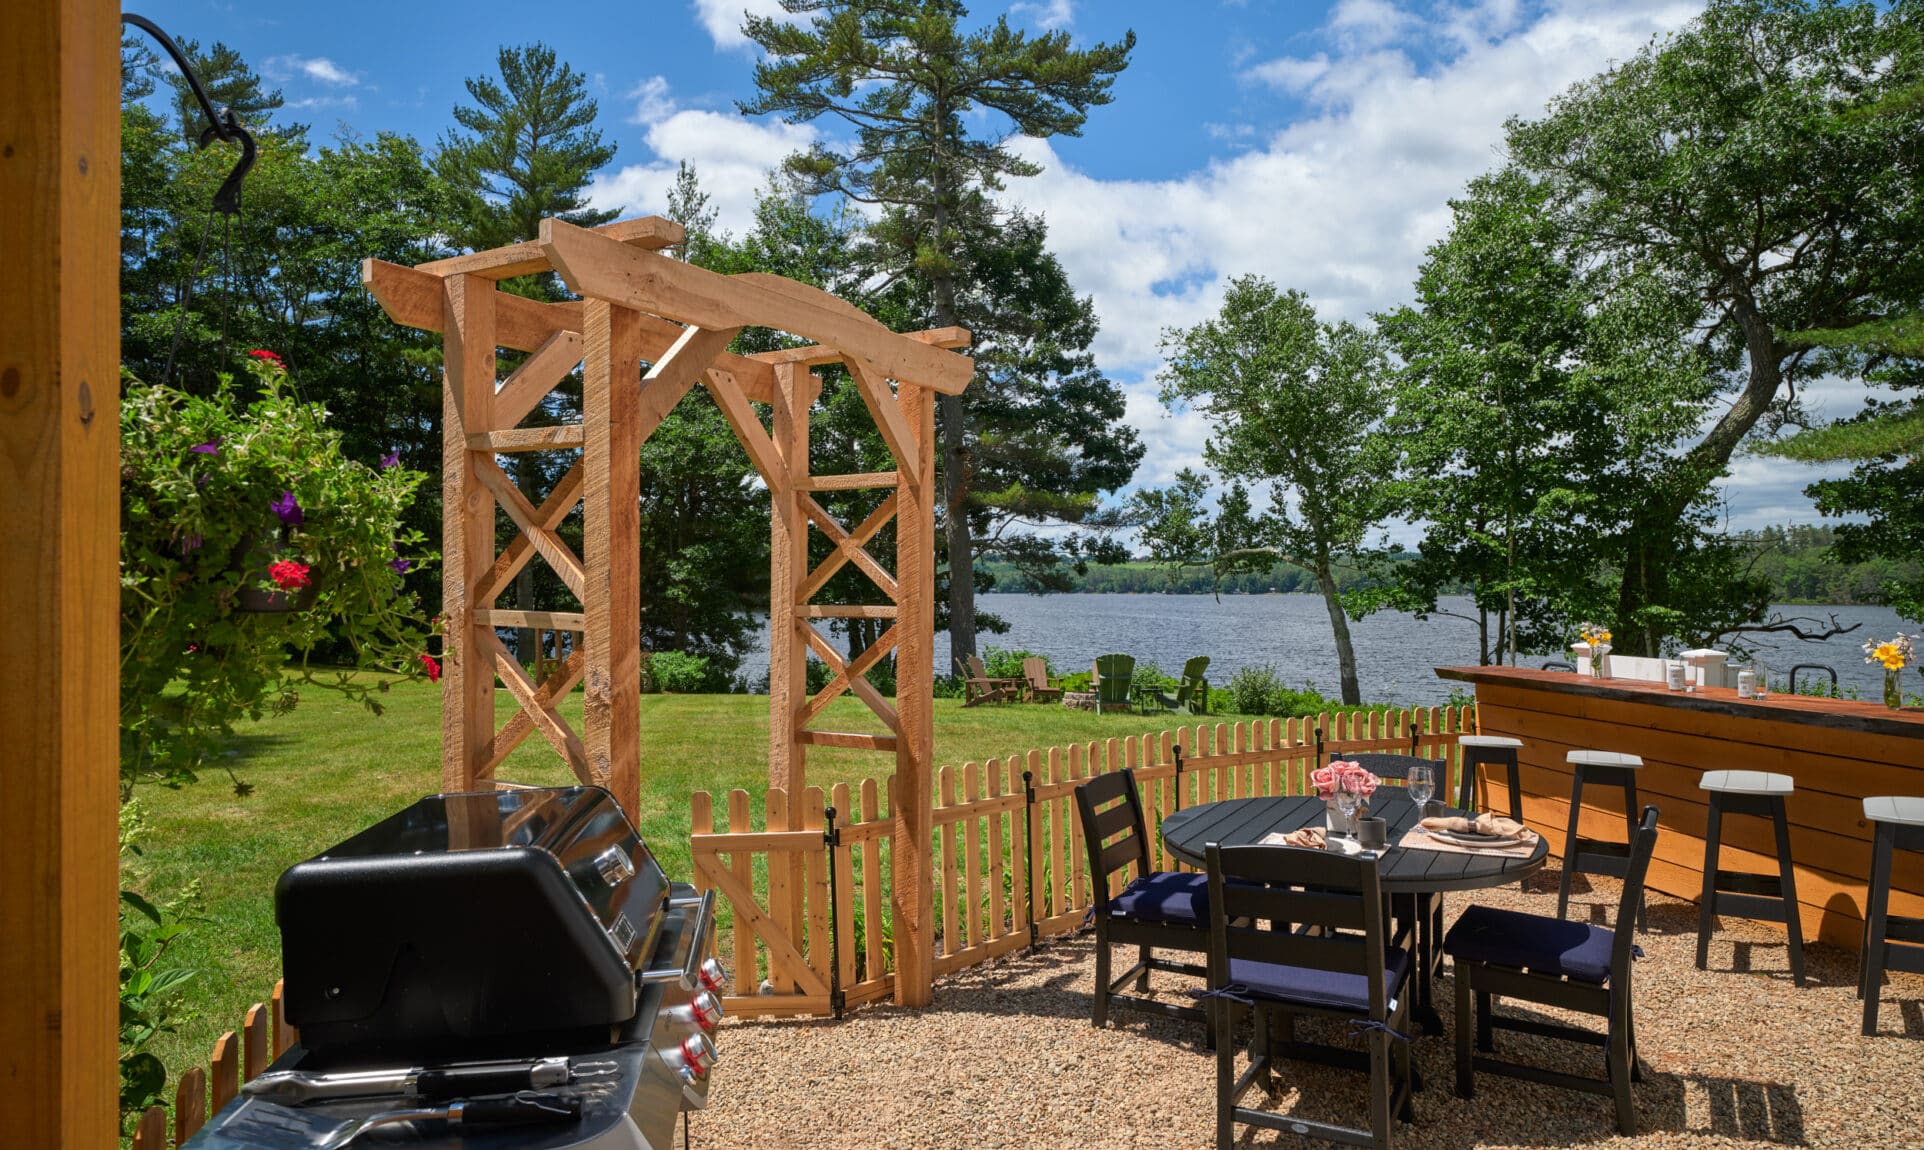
column 713, row 976
column 707, row 1011
column 698, row 1054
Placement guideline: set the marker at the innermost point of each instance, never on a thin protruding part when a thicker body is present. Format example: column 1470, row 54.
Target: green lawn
column 329, row 769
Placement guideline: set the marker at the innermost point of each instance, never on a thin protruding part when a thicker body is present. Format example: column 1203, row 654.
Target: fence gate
column 781, row 962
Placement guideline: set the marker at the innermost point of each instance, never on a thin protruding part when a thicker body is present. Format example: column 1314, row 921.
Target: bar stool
column 1599, row 856
column 1496, row 751
column 1898, row 824
column 1742, row 893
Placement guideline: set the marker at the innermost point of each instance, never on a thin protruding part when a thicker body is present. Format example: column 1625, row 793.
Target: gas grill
column 483, row 961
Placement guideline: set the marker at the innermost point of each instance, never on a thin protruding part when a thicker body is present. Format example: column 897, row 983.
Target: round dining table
column 1410, row 875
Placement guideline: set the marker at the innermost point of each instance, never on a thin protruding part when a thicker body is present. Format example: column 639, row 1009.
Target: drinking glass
column 1347, row 800
column 1422, row 784
column 1763, row 677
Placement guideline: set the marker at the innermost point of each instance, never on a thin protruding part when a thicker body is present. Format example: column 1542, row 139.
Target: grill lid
column 471, row 916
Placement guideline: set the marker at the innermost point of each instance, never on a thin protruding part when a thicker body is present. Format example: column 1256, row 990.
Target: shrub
column 150, row 984
column 679, row 673
column 1249, row 689
column 1150, row 677
column 1296, row 702
column 223, row 504
column 1003, row 663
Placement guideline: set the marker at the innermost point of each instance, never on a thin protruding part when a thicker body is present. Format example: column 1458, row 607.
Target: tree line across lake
column 1798, row 561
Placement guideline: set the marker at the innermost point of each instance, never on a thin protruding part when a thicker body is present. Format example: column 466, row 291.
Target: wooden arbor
column 640, row 306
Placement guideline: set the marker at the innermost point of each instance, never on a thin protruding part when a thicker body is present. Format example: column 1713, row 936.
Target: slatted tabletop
column 1243, row 822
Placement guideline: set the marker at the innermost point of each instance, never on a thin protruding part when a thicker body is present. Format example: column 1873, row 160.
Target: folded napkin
column 1315, row 838
column 1483, row 824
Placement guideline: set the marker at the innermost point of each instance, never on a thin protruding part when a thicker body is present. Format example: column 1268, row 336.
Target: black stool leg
column 1570, row 843
column 1516, row 788
column 1876, row 913
column 1707, row 905
column 1466, row 782
column 1793, row 913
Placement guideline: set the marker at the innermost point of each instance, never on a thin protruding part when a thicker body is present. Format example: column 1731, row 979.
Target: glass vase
column 1893, row 690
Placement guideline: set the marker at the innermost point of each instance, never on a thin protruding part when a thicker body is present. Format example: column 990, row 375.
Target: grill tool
column 271, row 1126
column 294, row 1087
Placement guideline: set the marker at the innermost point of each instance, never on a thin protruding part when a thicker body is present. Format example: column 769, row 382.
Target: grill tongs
column 295, row 1087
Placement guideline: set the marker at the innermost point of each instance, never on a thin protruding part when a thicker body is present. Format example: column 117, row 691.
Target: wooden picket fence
column 264, row 1036
column 810, row 929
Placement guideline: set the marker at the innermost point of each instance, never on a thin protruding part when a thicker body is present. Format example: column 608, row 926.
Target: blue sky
column 1312, row 141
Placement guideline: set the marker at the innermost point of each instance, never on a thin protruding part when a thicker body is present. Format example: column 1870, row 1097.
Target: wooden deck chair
column 1036, row 671
column 978, row 688
column 1114, row 675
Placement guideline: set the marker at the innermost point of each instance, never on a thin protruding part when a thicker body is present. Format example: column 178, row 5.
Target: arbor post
column 59, row 567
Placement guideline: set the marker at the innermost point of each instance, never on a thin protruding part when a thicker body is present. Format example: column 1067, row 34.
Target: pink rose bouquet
column 1327, row 779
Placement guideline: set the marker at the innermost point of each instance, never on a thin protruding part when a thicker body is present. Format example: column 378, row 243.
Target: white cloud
column 1289, row 74
column 316, row 68
column 723, row 18
column 1340, row 203
column 732, row 156
column 318, row 103
column 1048, row 14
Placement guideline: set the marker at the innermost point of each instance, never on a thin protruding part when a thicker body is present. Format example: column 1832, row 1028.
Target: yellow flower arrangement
column 1891, row 654
column 1594, row 634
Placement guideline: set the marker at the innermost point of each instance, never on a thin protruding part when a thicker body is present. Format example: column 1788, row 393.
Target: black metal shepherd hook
column 222, row 124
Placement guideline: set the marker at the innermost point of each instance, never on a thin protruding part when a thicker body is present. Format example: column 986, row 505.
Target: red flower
column 270, row 357
column 433, row 668
column 287, row 574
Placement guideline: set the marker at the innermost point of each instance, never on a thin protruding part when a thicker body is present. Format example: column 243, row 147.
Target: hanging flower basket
column 259, row 560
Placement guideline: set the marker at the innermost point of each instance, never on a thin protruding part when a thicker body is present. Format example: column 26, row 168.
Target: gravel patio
column 1006, row 1057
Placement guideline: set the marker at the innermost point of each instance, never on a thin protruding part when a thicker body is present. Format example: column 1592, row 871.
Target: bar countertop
column 1843, row 714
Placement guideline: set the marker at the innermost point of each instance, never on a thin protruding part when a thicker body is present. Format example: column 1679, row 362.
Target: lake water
column 1394, row 652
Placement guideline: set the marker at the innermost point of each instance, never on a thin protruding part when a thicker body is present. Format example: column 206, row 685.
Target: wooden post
column 611, row 523
column 914, row 692
column 59, row 551
column 787, row 569
column 467, row 529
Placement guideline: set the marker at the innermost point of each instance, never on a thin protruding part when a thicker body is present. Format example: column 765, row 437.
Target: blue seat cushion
column 1306, row 986
column 1532, row 942
column 1165, row 896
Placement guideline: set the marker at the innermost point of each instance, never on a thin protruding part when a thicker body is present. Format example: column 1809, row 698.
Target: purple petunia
column 211, row 447
column 400, row 565
column 289, row 509
column 391, row 459
column 190, row 543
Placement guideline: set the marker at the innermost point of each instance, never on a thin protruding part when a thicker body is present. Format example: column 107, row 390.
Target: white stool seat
column 1602, row 759
column 1747, row 783
column 1904, row 810
column 1487, row 741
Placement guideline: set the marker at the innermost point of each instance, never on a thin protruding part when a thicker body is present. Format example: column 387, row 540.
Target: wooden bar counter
column 1838, row 751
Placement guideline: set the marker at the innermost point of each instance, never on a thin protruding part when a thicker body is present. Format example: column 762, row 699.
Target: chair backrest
column 1643, row 845
column 1036, row 670
column 1293, row 887
column 1111, row 810
column 1194, row 670
column 1397, row 766
column 976, row 669
column 1113, row 673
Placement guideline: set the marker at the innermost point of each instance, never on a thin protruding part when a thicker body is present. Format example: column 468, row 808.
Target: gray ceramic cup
column 1373, row 833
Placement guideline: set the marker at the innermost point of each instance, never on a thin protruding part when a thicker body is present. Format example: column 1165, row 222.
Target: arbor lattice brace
column 641, row 307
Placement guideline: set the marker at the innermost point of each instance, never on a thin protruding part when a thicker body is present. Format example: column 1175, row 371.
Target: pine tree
column 230, row 84
column 909, row 78
column 529, row 150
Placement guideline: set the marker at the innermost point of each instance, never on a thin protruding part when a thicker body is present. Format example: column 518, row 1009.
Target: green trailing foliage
column 150, row 983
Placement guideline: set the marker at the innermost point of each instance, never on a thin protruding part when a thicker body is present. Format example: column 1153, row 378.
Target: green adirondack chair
column 1192, row 694
column 1114, row 675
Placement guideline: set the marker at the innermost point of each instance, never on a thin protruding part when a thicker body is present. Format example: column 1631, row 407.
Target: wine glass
column 1348, row 798
column 1422, row 783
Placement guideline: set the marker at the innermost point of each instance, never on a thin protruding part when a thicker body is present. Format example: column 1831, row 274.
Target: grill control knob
column 713, row 977
column 707, row 1011
column 614, row 866
column 698, row 1054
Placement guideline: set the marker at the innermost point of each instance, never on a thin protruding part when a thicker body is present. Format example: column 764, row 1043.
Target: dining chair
column 1328, row 954
column 1155, row 909
column 1397, row 767
column 1568, row 965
